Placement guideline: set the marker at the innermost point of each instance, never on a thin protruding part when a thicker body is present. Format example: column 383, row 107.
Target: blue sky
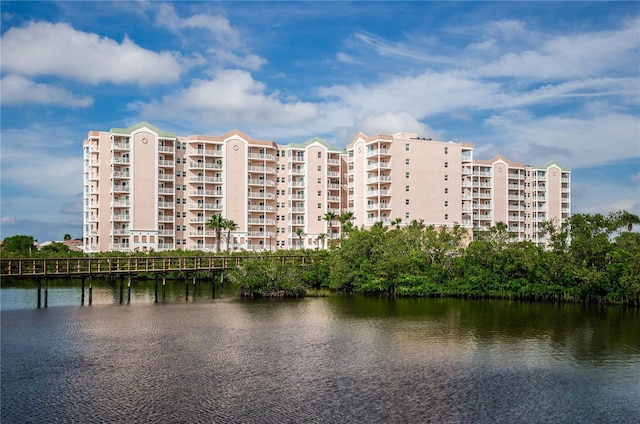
column 535, row 81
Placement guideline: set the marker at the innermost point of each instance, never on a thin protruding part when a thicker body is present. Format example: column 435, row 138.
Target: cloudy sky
column 534, row 81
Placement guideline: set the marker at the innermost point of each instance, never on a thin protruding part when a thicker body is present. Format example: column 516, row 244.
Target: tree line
column 589, row 258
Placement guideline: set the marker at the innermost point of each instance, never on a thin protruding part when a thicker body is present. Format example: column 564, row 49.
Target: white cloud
column 392, row 122
column 225, row 46
column 232, row 98
column 17, row 90
column 37, row 162
column 42, row 48
column 602, row 197
column 581, row 141
column 569, row 56
column 635, row 178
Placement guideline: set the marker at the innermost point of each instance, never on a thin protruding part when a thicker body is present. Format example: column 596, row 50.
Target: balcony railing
column 261, row 156
column 258, row 195
column 261, row 169
column 201, row 179
column 259, row 182
column 204, row 165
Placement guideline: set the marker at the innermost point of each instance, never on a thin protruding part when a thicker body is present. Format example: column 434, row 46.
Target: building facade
column 149, row 190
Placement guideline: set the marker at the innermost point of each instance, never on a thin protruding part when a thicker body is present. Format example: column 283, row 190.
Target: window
column 446, row 150
column 406, row 161
column 319, row 167
column 406, row 146
column 319, row 217
column 319, row 155
column 406, row 188
column 406, row 175
column 446, row 216
column 446, row 190
column 406, row 215
column 184, row 214
column 319, row 192
column 319, row 180
column 446, row 164
column 406, row 201
column 446, row 177
column 446, row 203
column 319, row 205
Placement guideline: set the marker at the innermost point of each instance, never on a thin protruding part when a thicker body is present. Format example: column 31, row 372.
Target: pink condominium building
column 146, row 189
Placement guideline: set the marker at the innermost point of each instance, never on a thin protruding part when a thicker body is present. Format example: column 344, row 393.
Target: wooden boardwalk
column 11, row 269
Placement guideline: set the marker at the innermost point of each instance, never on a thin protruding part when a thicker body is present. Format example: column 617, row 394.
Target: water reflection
column 334, row 359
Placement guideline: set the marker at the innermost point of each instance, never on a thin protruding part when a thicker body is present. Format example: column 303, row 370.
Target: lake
column 330, row 359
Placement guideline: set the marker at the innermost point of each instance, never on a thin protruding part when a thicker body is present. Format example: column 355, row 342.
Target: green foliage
column 18, row 246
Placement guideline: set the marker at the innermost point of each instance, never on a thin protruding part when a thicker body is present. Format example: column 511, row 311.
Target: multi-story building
column 145, row 189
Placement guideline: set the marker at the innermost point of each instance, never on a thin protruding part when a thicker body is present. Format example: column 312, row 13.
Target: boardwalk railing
column 82, row 267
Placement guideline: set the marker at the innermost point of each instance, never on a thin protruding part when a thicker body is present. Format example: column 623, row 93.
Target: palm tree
column 321, row 238
column 300, row 233
column 229, row 225
column 216, row 223
column 345, row 222
column 329, row 217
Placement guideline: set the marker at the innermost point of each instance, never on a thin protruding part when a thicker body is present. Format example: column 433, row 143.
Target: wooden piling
column 194, row 285
column 155, row 286
column 186, row 286
column 164, row 285
column 90, row 291
column 121, row 288
column 46, row 293
column 82, row 293
column 129, row 289
column 39, row 293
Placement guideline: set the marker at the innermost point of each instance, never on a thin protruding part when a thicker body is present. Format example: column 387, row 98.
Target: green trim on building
column 315, row 140
column 548, row 164
column 143, row 124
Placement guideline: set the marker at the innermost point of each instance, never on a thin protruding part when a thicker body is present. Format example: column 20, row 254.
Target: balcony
column 332, row 161
column 333, row 186
column 298, row 170
column 262, row 169
column 121, row 188
column 115, row 174
column 260, row 234
column 297, row 197
column 205, row 152
column 260, row 221
column 297, row 184
column 120, row 232
column 119, row 246
column 333, row 198
column 516, row 187
column 166, row 163
column 380, row 179
column 297, row 223
column 163, row 190
column 121, row 146
column 378, row 152
column 467, row 157
column 377, row 206
column 166, row 177
column 261, row 156
column 120, row 160
column 296, row 159
column 260, row 208
column 201, row 179
column 210, row 193
column 166, row 232
column 165, row 218
column 258, row 195
column 375, row 193
column 206, row 206
column 165, row 205
column 206, row 233
column 260, row 182
column 371, row 221
column 165, row 149
column 204, row 165
column 516, row 197
column 333, row 174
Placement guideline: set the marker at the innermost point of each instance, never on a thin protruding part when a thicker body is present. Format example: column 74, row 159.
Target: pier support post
column 39, row 293
column 194, row 285
column 155, row 285
column 164, row 285
column 186, row 286
column 129, row 289
column 82, row 293
column 121, row 288
column 90, row 291
column 46, row 293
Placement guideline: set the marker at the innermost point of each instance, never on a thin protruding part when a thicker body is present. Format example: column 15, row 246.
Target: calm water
column 316, row 360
